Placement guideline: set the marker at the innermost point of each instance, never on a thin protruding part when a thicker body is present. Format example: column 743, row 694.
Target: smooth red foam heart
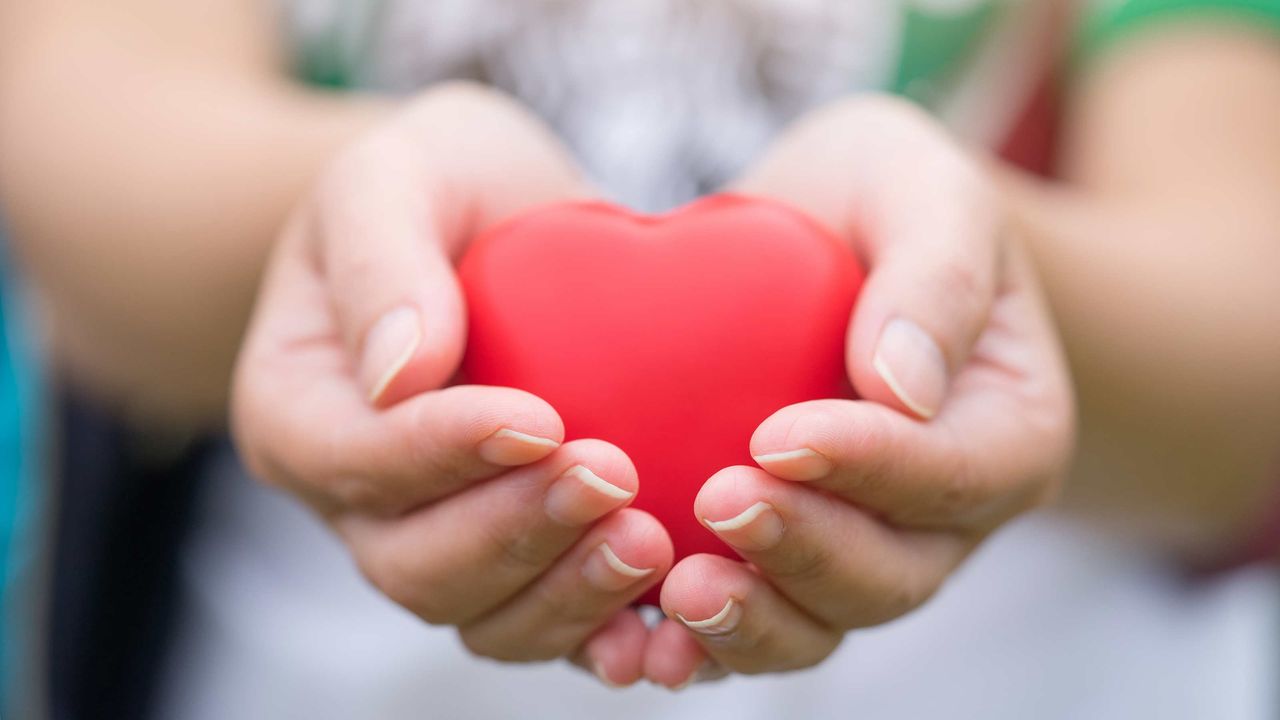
column 671, row 336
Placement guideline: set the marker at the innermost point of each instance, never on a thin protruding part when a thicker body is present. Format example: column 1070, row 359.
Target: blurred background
column 150, row 153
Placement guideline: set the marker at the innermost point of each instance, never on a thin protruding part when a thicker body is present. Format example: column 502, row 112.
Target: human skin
column 1170, row 187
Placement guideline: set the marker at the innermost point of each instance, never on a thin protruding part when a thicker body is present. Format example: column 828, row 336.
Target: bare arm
column 1160, row 254
column 151, row 151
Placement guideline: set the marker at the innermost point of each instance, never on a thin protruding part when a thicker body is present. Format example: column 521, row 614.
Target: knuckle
column 477, row 642
column 362, row 493
column 959, row 497
column 428, row 448
column 806, row 564
column 960, row 493
column 397, row 576
column 481, row 643
column 496, row 643
column 869, row 467
column 882, row 604
column 960, row 284
column 569, row 616
column 521, row 551
column 904, row 597
column 746, row 647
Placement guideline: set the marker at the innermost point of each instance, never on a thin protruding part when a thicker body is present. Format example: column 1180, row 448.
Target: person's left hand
column 864, row 507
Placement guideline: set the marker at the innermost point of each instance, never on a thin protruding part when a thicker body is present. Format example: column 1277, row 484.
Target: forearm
column 1175, row 352
column 144, row 203
column 1159, row 252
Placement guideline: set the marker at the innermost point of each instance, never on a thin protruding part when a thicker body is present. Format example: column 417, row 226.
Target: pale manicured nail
column 580, row 496
column 759, row 527
column 509, row 447
column 388, row 347
column 802, row 465
column 912, row 365
column 722, row 623
column 598, row 668
column 606, row 571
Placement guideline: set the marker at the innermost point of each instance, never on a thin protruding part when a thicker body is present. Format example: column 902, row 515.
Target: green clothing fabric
column 1110, row 20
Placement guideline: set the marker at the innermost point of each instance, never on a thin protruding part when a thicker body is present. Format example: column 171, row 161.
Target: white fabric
column 1046, row 621
column 661, row 100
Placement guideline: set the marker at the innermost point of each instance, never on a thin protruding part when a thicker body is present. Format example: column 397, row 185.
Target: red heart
column 671, row 336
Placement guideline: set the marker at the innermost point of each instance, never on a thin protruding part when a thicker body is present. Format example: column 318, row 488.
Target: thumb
column 390, row 281
column 924, row 218
column 927, row 298
column 399, row 207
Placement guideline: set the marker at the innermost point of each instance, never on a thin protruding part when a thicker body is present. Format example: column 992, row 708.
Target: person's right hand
column 459, row 503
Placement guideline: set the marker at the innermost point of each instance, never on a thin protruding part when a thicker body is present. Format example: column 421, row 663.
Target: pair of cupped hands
column 464, row 505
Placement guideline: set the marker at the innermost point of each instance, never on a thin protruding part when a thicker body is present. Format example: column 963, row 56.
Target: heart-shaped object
column 670, row 336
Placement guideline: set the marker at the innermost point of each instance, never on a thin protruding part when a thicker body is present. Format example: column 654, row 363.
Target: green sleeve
column 1108, row 20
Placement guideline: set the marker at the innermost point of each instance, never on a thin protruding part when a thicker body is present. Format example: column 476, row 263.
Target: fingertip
column 700, row 588
column 510, row 448
column 409, row 350
column 789, row 443
column 507, row 427
column 421, row 371
column 643, row 539
column 910, row 364
column 730, row 492
column 672, row 656
column 615, row 653
column 628, row 551
column 389, row 346
column 756, row 528
column 605, row 460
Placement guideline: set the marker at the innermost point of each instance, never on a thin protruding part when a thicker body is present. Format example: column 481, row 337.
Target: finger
column 459, row 558
column 989, row 456
column 397, row 303
column 739, row 620
column 675, row 660
column 922, row 213
column 308, row 430
column 396, row 208
column 829, row 557
column 616, row 562
column 912, row 474
column 615, row 653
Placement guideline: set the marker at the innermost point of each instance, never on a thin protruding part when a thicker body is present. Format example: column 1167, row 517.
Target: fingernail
column 388, row 347
column 912, row 365
column 606, row 571
column 598, row 668
column 580, row 496
column 722, row 623
column 509, row 447
column 759, row 527
column 801, row 465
